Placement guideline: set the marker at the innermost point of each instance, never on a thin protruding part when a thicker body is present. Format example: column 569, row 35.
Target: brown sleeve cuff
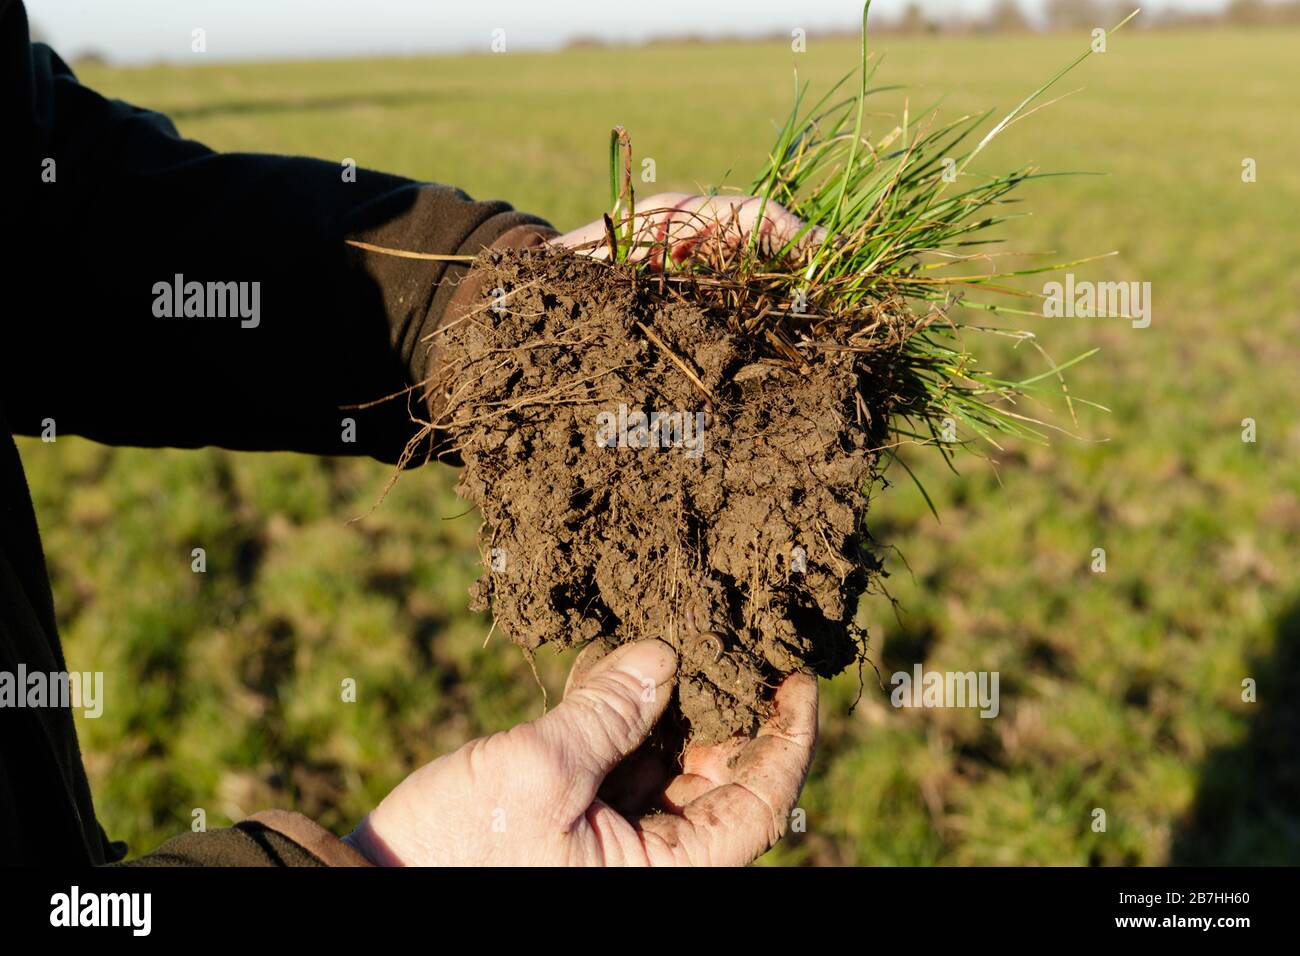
column 468, row 288
column 467, row 293
column 310, row 835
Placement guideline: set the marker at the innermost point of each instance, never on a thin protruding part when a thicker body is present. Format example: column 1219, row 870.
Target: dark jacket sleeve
column 113, row 208
column 103, row 204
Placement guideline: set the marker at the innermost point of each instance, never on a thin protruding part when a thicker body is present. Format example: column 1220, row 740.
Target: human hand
column 683, row 224
column 528, row 795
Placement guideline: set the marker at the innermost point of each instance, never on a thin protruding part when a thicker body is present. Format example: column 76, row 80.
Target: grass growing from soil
column 910, row 241
column 802, row 345
column 1119, row 690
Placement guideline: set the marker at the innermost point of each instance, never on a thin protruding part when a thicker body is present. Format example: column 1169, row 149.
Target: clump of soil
column 742, row 544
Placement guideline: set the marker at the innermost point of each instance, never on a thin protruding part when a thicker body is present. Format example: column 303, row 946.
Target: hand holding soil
column 540, row 793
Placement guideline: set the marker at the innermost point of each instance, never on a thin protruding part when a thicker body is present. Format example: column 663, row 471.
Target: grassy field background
column 1120, row 691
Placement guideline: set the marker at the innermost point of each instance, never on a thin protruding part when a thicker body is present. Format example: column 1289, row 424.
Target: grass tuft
column 907, row 226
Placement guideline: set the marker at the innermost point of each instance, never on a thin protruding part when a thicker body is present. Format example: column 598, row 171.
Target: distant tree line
column 1006, row 16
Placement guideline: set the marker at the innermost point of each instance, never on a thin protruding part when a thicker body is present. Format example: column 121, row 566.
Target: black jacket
column 103, row 202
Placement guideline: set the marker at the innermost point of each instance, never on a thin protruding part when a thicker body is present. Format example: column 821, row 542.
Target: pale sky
column 133, row 31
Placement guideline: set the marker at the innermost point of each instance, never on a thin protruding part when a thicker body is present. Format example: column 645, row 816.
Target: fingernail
column 648, row 660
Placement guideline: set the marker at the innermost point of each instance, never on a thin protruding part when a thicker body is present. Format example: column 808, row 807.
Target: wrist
column 370, row 845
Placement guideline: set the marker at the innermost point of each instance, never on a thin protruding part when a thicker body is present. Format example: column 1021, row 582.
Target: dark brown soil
column 746, row 552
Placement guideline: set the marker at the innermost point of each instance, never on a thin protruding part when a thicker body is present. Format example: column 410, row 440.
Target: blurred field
column 1120, row 691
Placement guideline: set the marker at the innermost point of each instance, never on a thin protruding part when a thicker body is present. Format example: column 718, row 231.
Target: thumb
column 611, row 711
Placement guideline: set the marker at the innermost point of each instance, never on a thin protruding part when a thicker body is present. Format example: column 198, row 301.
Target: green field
column 1120, row 690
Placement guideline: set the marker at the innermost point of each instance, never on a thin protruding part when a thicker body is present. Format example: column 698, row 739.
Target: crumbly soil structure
column 734, row 531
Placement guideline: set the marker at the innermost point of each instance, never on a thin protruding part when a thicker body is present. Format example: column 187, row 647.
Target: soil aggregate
column 735, row 531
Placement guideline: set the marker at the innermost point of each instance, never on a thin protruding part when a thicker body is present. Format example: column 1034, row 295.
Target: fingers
column 634, row 786
column 665, row 224
column 733, row 824
column 651, row 213
column 588, row 657
column 606, row 716
column 813, row 238
column 703, row 769
column 681, row 223
column 776, row 764
column 779, row 227
column 685, row 789
column 588, row 240
column 738, row 218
